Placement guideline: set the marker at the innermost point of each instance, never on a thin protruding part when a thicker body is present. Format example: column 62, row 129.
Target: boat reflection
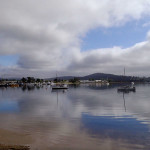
column 124, row 102
column 59, row 90
column 78, row 118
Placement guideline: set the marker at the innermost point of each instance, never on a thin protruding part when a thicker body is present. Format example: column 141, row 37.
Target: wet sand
column 12, row 140
column 13, row 147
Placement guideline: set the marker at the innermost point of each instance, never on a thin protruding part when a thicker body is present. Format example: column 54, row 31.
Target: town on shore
column 93, row 78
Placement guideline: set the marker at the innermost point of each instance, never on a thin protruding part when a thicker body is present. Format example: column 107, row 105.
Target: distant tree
column 91, row 79
column 57, row 80
column 42, row 80
column 24, row 80
column 38, row 80
column 74, row 80
column 30, row 79
column 110, row 80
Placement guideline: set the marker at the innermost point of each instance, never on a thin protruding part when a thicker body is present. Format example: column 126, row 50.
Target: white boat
column 127, row 88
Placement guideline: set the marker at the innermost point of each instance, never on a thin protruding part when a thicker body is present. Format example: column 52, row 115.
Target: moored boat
column 127, row 88
column 61, row 86
column 3, row 85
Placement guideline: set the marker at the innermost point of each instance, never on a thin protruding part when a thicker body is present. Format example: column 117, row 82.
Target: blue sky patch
column 124, row 36
column 8, row 60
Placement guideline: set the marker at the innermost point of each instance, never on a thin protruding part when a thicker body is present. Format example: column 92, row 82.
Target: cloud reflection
column 83, row 113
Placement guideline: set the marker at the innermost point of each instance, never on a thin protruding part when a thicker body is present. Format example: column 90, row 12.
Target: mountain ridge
column 100, row 76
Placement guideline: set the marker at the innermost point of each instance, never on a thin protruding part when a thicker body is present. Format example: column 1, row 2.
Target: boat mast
column 124, row 71
column 56, row 77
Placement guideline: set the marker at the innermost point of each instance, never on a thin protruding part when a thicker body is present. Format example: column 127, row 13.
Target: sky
column 74, row 37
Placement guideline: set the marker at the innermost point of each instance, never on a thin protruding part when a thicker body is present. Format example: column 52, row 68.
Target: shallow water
column 83, row 117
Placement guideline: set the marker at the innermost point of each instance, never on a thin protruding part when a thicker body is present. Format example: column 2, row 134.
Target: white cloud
column 113, row 60
column 147, row 24
column 47, row 35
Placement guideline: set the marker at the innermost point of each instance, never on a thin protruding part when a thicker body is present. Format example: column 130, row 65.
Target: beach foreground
column 13, row 147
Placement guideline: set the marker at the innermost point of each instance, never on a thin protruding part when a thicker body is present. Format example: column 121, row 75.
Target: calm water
column 83, row 117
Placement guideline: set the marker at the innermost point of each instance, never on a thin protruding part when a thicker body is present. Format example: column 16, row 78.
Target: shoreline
column 13, row 147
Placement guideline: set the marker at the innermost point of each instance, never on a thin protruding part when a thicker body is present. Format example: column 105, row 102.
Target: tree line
column 31, row 80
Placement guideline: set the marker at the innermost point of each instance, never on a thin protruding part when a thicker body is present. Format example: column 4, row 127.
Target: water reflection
column 84, row 116
column 124, row 102
column 128, row 129
column 30, row 88
column 8, row 106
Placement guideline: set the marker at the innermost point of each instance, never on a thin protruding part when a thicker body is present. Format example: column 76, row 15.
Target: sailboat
column 127, row 88
column 59, row 86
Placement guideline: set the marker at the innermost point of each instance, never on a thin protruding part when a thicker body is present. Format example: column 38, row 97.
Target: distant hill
column 110, row 77
column 102, row 76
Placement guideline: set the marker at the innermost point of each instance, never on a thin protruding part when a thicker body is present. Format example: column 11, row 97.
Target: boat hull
column 55, row 88
column 133, row 89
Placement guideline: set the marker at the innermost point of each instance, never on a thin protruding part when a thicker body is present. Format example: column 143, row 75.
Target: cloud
column 113, row 60
column 47, row 35
column 147, row 24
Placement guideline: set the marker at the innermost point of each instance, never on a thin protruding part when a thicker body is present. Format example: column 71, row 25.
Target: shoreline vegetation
column 19, row 83
column 31, row 81
column 101, row 78
column 13, row 147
